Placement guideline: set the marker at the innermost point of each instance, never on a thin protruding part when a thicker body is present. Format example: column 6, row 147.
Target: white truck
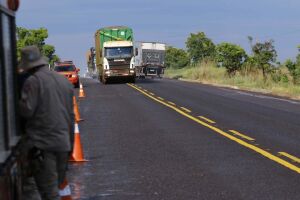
column 114, row 53
column 150, row 59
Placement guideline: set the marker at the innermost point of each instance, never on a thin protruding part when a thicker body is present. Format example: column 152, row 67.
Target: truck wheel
column 77, row 84
column 133, row 79
column 104, row 80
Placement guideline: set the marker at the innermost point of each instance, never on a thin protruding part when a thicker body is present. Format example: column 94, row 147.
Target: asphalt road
column 165, row 139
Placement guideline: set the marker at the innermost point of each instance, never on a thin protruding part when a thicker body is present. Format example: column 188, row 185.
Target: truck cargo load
column 150, row 59
column 114, row 53
column 92, row 70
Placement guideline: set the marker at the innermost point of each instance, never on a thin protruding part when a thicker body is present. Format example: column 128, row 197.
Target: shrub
column 230, row 56
column 176, row 58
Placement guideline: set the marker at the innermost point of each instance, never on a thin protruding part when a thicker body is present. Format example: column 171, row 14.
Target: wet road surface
column 142, row 142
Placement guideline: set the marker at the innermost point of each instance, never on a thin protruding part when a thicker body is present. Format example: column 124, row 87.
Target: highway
column 167, row 139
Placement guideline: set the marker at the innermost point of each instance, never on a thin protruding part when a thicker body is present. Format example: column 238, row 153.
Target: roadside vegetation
column 27, row 37
column 228, row 64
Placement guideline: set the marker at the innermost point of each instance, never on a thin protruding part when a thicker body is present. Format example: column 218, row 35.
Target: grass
column 209, row 73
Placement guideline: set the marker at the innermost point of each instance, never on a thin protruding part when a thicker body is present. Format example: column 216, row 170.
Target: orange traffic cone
column 81, row 92
column 65, row 191
column 77, row 154
column 76, row 110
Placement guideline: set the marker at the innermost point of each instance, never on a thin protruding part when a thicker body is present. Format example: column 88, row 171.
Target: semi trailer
column 114, row 53
column 91, row 63
column 150, row 59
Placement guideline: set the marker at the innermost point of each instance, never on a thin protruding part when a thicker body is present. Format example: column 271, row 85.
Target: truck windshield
column 67, row 68
column 118, row 52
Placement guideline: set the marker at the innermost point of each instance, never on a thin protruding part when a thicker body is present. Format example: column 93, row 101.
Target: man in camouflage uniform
column 46, row 104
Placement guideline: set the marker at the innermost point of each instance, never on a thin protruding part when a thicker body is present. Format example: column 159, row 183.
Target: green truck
column 114, row 53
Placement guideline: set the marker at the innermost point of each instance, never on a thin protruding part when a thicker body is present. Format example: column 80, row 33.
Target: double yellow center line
column 223, row 133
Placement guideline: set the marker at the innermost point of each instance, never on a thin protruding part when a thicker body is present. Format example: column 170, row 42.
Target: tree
column 176, row 58
column 294, row 69
column 264, row 55
column 230, row 56
column 298, row 57
column 200, row 47
column 26, row 37
column 250, row 39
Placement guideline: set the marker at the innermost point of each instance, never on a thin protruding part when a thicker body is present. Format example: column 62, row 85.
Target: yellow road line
column 294, row 158
column 160, row 98
column 170, row 102
column 185, row 109
column 206, row 119
column 223, row 133
column 241, row 135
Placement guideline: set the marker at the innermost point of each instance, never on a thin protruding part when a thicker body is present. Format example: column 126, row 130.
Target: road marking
column 241, row 135
column 170, row 102
column 206, row 119
column 152, row 93
column 294, row 158
column 268, row 97
column 145, row 90
column 186, row 110
column 227, row 135
column 160, row 98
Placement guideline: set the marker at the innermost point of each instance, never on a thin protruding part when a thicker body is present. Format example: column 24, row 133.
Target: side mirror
column 136, row 51
column 77, row 70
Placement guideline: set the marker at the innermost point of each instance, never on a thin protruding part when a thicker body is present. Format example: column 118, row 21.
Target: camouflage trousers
column 48, row 170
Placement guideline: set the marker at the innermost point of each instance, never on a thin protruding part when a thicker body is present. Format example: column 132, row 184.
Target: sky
column 72, row 23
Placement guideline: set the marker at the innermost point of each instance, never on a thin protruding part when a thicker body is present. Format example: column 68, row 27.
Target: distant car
column 69, row 70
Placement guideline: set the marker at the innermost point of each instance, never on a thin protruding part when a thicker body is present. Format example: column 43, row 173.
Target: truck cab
column 114, row 53
column 118, row 59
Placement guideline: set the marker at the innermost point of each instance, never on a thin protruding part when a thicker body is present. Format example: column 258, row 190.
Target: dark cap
column 31, row 57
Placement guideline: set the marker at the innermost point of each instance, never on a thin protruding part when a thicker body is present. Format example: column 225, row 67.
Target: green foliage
column 26, row 37
column 278, row 76
column 294, row 69
column 290, row 65
column 200, row 47
column 284, row 78
column 249, row 65
column 230, row 56
column 54, row 59
column 264, row 55
column 176, row 58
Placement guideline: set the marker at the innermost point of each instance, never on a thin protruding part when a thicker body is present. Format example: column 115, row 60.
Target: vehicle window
column 9, row 76
column 118, row 52
column 67, row 68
